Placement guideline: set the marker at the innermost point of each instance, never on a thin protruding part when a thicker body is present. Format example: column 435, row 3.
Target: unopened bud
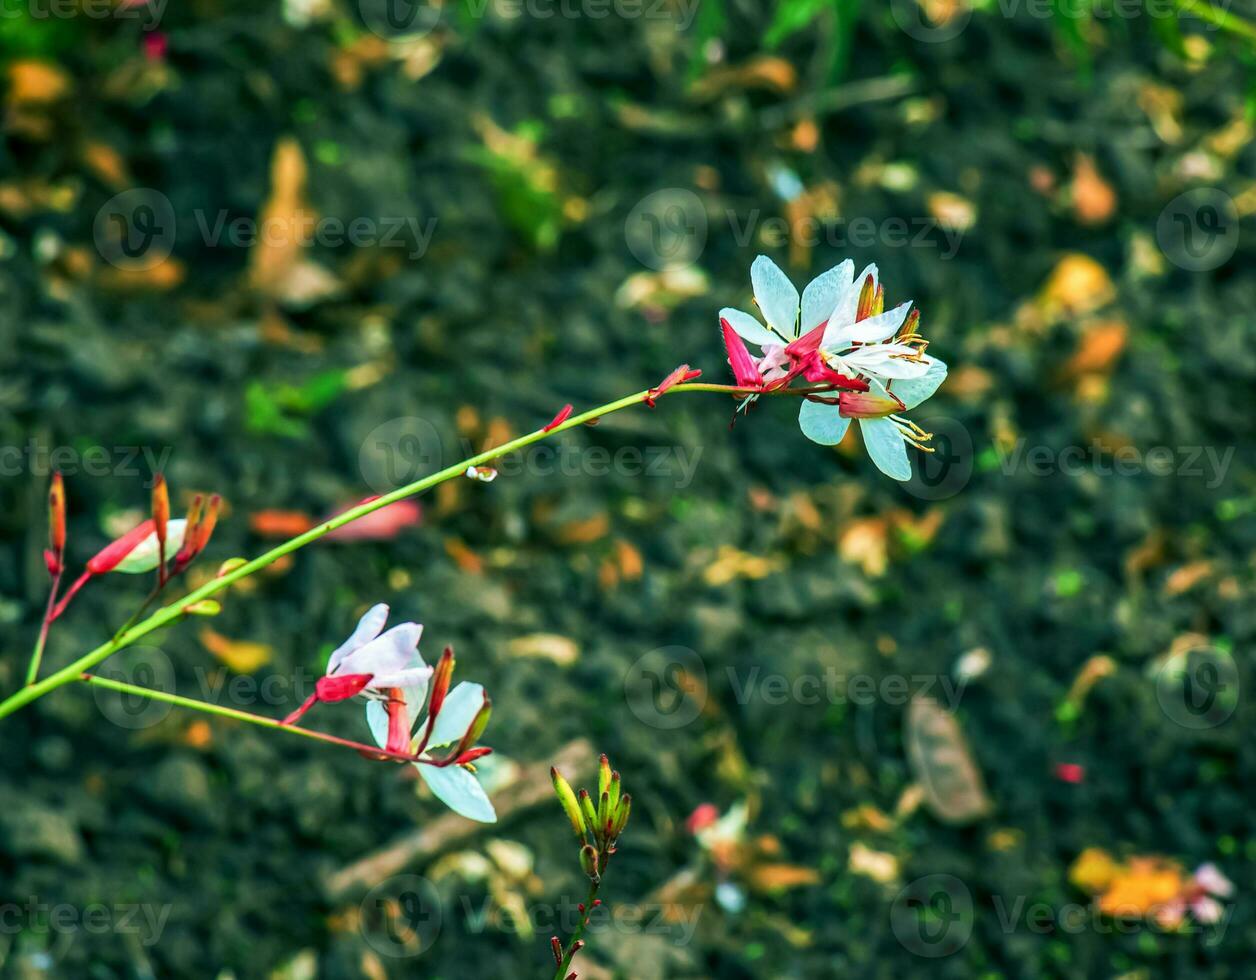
column 621, row 817
column 567, row 797
column 557, row 949
column 587, row 808
column 867, row 294
column 440, row 682
column 588, row 861
column 603, row 774
column 56, row 521
column 230, row 565
column 203, row 607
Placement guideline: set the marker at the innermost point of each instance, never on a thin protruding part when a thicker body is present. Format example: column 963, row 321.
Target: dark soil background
column 596, row 188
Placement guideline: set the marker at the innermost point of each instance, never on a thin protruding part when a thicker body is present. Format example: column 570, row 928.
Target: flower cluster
column 865, row 362
column 387, row 671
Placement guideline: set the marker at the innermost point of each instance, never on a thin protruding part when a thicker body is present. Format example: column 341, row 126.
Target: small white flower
column 392, row 659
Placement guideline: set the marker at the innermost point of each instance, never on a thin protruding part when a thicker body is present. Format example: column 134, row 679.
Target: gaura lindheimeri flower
column 1197, row 898
column 387, row 670
column 838, row 334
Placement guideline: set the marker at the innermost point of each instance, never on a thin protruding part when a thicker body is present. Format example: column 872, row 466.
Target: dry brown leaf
column 35, row 82
column 880, row 866
column 780, row 877
column 1100, row 347
column 584, row 531
column 1186, row 577
column 943, row 764
column 1078, row 284
column 159, row 278
column 464, row 557
column 764, row 72
column 865, row 542
column 952, row 211
column 562, row 650
column 106, row 163
column 242, row 656
column 1094, row 200
column 730, row 564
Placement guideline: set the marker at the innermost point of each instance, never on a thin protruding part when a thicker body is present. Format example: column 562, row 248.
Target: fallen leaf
column 1186, row 577
column 943, row 764
column 1094, row 200
column 1078, row 284
column 730, row 564
column 464, row 557
column 780, row 877
column 242, row 656
column 280, row 523
column 880, row 866
column 865, row 542
column 1100, row 347
column 952, row 211
column 547, row 646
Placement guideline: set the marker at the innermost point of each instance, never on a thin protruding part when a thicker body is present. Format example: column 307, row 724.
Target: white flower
column 392, row 659
column 885, row 432
column 779, row 304
column 398, row 689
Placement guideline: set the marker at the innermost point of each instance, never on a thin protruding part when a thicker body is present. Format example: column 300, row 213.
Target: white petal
column 460, row 708
column 822, row 293
column 912, row 391
column 368, row 628
column 888, row 361
column 776, row 296
column 458, row 790
column 886, row 447
column 748, row 328
column 377, row 720
column 407, row 677
column 386, row 654
column 143, row 557
column 822, row 423
column 877, row 328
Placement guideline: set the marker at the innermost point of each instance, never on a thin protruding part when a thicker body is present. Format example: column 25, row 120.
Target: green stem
column 570, row 953
column 37, row 655
column 235, row 713
column 174, row 610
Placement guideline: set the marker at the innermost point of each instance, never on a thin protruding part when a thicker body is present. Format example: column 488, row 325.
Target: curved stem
column 239, row 715
column 174, row 610
column 37, row 655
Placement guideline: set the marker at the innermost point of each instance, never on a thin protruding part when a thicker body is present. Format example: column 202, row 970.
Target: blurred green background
column 298, row 253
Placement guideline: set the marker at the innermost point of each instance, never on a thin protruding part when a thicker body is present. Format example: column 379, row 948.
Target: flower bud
column 866, row 405
column 440, row 682
column 557, row 948
column 621, row 817
column 586, row 807
column 161, row 515
column 569, row 803
column 203, row 607
column 110, row 556
column 56, row 524
column 588, row 861
column 613, row 792
column 867, row 294
column 603, row 774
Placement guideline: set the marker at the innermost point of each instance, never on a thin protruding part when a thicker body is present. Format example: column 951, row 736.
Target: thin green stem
column 168, row 613
column 569, row 952
column 37, row 655
column 238, row 715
